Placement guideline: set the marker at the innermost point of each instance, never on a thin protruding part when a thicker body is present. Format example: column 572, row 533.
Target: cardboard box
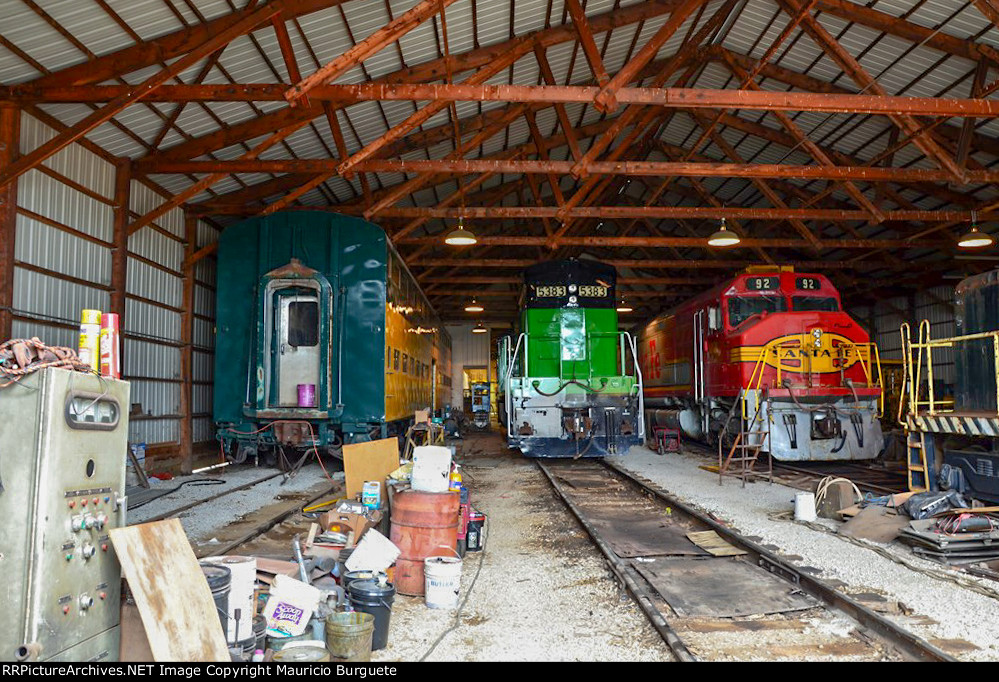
column 347, row 522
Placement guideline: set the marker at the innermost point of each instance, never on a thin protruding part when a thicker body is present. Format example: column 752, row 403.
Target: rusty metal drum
column 423, row 525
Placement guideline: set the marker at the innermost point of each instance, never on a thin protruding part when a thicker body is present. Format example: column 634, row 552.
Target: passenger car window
column 821, row 303
column 741, row 308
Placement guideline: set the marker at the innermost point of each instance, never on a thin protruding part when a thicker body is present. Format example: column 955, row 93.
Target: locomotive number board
column 807, row 283
column 550, row 291
column 763, row 283
column 559, row 291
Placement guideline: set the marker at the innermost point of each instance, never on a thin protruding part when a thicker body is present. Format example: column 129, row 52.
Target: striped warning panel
column 963, row 425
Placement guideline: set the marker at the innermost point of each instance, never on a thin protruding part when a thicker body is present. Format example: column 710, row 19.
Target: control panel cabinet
column 63, row 440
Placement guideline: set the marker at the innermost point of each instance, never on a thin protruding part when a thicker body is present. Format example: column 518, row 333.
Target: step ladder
column 919, row 451
column 746, row 449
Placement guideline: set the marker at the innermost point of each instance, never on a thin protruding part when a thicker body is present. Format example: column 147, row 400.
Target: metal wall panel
column 50, row 299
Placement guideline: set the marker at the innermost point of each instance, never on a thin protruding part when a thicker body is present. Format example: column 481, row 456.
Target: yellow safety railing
column 784, row 349
column 912, row 369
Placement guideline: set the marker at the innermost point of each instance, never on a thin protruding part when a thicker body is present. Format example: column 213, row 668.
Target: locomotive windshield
column 741, row 308
column 816, row 303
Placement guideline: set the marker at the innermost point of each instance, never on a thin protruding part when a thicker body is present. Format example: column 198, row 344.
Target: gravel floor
column 541, row 590
column 958, row 613
column 202, row 521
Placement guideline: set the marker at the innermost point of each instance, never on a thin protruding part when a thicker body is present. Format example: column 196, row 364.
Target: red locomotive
column 771, row 355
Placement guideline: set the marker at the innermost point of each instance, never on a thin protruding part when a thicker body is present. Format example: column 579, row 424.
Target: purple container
column 306, row 395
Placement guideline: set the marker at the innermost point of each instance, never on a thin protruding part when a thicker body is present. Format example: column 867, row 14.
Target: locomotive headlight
column 572, row 300
column 817, row 333
column 572, row 288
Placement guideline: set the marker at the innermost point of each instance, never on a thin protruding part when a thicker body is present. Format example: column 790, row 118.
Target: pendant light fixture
column 474, row 307
column 623, row 306
column 722, row 237
column 460, row 236
column 974, row 239
column 479, row 329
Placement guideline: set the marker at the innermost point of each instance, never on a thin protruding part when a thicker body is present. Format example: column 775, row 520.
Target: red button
column 65, row 609
column 84, row 503
column 95, row 500
column 104, row 595
column 72, row 504
column 104, row 547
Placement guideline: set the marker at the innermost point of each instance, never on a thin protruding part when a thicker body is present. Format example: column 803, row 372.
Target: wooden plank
column 711, row 542
column 371, row 461
column 171, row 592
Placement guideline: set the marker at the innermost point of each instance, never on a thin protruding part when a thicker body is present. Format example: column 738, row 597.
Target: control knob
column 86, row 601
column 88, row 551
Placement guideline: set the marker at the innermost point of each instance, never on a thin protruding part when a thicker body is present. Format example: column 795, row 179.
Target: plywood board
column 876, row 524
column 631, row 538
column 371, row 461
column 721, row 588
column 171, row 592
column 710, row 541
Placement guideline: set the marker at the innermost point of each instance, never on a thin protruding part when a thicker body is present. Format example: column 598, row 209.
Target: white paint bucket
column 442, row 580
column 244, row 576
column 804, row 507
column 431, row 469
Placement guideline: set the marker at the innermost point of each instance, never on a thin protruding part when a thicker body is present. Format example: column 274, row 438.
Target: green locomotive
column 322, row 336
column 569, row 383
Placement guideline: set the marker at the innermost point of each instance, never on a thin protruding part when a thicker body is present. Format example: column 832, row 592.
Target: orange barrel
column 423, row 525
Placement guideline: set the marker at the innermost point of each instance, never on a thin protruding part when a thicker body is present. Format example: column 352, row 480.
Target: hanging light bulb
column 460, row 236
column 474, row 307
column 623, row 306
column 479, row 329
column 975, row 239
column 722, row 237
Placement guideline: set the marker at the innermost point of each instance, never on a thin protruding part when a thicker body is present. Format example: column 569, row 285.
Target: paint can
column 244, row 576
column 276, row 642
column 804, row 507
column 306, row 395
column 110, row 346
column 303, row 652
column 443, row 581
column 349, row 635
column 89, row 348
column 219, row 581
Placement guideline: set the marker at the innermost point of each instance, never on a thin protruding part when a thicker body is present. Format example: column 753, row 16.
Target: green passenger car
column 311, row 308
column 569, row 384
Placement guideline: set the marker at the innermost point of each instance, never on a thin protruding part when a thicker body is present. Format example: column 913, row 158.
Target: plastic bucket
column 219, row 580
column 443, row 581
column 349, row 635
column 804, row 507
column 259, row 632
column 351, row 576
column 375, row 598
column 306, row 395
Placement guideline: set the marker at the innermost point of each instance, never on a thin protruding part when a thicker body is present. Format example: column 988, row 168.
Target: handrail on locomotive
column 910, row 369
column 627, row 341
column 783, row 349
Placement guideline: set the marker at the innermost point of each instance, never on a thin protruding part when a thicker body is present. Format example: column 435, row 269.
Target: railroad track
column 750, row 606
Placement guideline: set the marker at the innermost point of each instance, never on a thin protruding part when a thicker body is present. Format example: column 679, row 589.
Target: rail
column 912, row 368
